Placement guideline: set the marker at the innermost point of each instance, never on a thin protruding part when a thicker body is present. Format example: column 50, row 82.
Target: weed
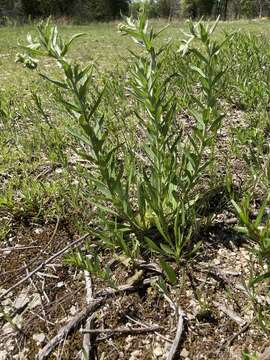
column 152, row 204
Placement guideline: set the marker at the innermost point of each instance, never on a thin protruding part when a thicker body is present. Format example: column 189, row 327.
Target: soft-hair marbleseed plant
column 148, row 206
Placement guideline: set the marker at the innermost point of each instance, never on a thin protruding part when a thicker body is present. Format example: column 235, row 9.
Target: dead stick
column 122, row 331
column 55, row 229
column 129, row 288
column 42, row 265
column 71, row 326
column 145, row 326
column 180, row 316
column 227, row 342
column 230, row 313
column 89, row 310
column 16, row 248
column 40, row 294
column 178, row 336
column 88, row 340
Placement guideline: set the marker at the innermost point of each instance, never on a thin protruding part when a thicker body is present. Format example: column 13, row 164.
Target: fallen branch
column 230, row 339
column 220, row 277
column 145, row 326
column 178, row 336
column 180, row 316
column 88, row 340
column 231, row 314
column 17, row 248
column 122, row 331
column 55, row 229
column 42, row 265
column 127, row 287
column 88, row 311
column 70, row 327
column 44, row 318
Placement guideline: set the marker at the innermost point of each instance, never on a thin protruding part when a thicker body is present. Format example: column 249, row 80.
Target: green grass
column 27, row 141
column 102, row 45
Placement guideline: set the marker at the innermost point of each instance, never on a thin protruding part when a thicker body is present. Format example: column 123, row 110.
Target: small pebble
column 184, row 353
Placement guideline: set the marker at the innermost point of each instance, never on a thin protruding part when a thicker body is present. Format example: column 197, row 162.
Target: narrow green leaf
column 259, row 278
column 152, row 246
column 169, row 271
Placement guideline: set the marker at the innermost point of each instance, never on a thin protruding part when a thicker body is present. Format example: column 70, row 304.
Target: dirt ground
column 218, row 312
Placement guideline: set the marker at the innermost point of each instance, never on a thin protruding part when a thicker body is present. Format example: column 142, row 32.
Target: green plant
column 166, row 196
column 246, row 83
column 90, row 264
column 247, row 355
column 258, row 231
column 148, row 195
column 5, row 227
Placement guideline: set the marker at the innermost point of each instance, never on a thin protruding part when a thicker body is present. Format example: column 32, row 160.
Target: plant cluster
column 148, row 195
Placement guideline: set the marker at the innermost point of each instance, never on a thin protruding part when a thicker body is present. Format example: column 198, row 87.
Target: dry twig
column 180, row 316
column 231, row 314
column 180, row 328
column 230, row 339
column 127, row 287
column 84, row 314
column 68, row 328
column 88, row 340
column 19, row 248
column 44, row 318
column 43, row 264
column 123, row 331
column 145, row 326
